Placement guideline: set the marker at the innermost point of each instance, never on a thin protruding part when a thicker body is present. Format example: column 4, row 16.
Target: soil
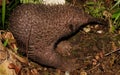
column 96, row 50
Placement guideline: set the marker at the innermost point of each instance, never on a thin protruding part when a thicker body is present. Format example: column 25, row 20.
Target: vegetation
column 30, row 1
column 95, row 8
column 116, row 15
column 5, row 12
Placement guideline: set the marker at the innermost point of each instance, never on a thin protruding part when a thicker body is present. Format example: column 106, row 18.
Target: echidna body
column 38, row 27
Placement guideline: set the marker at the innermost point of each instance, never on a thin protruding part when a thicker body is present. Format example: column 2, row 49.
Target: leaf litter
column 97, row 53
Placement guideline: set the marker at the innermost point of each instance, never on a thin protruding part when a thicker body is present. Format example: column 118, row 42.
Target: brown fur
column 38, row 27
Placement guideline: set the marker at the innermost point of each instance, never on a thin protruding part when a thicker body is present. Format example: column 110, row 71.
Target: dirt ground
column 98, row 53
column 95, row 49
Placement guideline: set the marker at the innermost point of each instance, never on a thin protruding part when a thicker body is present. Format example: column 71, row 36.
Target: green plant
column 3, row 12
column 31, row 1
column 95, row 8
column 116, row 4
column 116, row 14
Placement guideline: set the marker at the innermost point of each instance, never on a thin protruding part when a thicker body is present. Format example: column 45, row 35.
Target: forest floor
column 94, row 47
column 97, row 51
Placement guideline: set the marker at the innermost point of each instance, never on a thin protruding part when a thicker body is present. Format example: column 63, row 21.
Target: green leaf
column 118, row 15
column 90, row 3
column 115, row 15
column 5, row 43
column 118, row 2
column 31, row 1
column 3, row 12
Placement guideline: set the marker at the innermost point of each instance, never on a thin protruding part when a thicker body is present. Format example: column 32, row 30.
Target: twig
column 107, row 54
column 94, row 67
